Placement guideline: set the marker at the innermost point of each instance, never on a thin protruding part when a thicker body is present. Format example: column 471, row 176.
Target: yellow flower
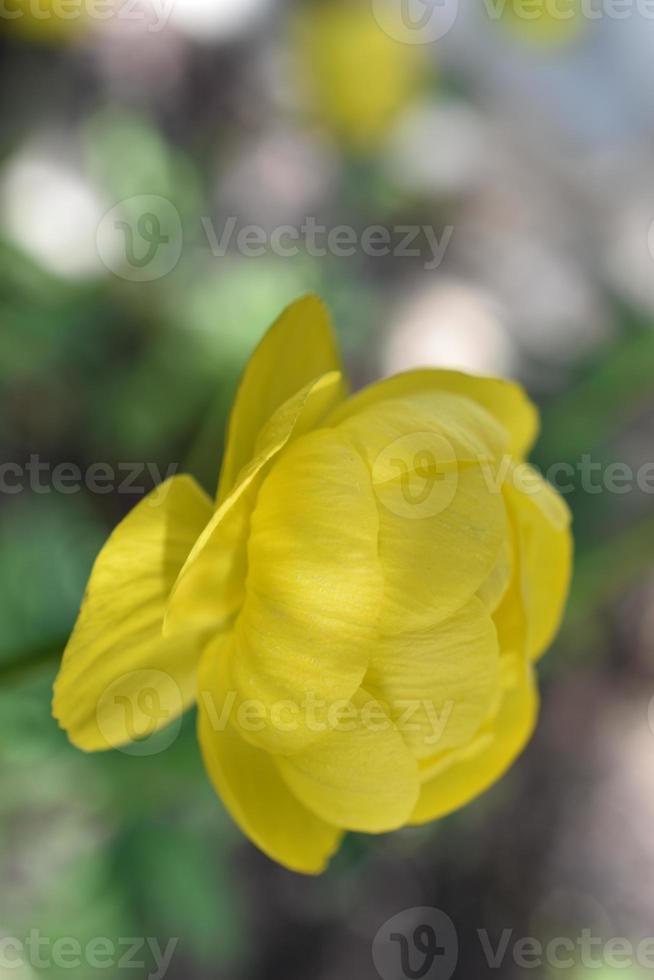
column 356, row 75
column 544, row 21
column 356, row 615
column 49, row 21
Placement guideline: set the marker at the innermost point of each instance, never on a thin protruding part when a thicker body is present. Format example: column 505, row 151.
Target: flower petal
column 442, row 519
column 441, row 683
column 298, row 348
column 510, row 615
column 493, row 590
column 247, row 781
column 360, row 774
column 456, row 778
column 473, row 433
column 505, row 400
column 116, row 650
column 542, row 521
column 211, row 586
column 314, row 584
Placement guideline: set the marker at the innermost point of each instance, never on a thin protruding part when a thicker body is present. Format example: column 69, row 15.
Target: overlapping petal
column 211, row 586
column 453, row 779
column 505, row 400
column 442, row 518
column 472, row 431
column 248, row 782
column 494, row 588
column 510, row 615
column 314, row 584
column 439, row 684
column 298, row 348
column 542, row 525
column 360, row 775
column 117, row 650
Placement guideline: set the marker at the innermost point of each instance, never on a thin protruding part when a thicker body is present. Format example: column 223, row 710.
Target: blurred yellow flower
column 356, row 76
column 356, row 615
column 544, row 21
column 51, row 21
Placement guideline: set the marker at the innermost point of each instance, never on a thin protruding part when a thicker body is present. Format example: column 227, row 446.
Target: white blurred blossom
column 51, row 211
column 212, row 20
column 439, row 148
column 449, row 324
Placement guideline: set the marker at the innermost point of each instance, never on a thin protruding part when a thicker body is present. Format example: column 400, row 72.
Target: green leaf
column 181, row 888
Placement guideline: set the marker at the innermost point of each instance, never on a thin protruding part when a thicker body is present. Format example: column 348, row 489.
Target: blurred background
column 162, row 165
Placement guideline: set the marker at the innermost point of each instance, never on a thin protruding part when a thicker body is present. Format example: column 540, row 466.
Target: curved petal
column 456, row 778
column 211, row 586
column 247, row 781
column 360, row 774
column 509, row 615
column 473, row 433
column 542, row 522
column 442, row 517
column 439, row 684
column 314, row 585
column 505, row 400
column 116, row 650
column 494, row 588
column 298, row 348
column 433, row 566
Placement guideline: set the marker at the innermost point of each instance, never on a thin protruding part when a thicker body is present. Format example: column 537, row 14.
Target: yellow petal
column 510, row 615
column 439, row 684
column 299, row 347
column 442, row 519
column 542, row 521
column 360, row 774
column 247, row 781
column 505, row 400
column 472, row 432
column 314, row 584
column 456, row 779
column 210, row 589
column 116, row 651
column 493, row 590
